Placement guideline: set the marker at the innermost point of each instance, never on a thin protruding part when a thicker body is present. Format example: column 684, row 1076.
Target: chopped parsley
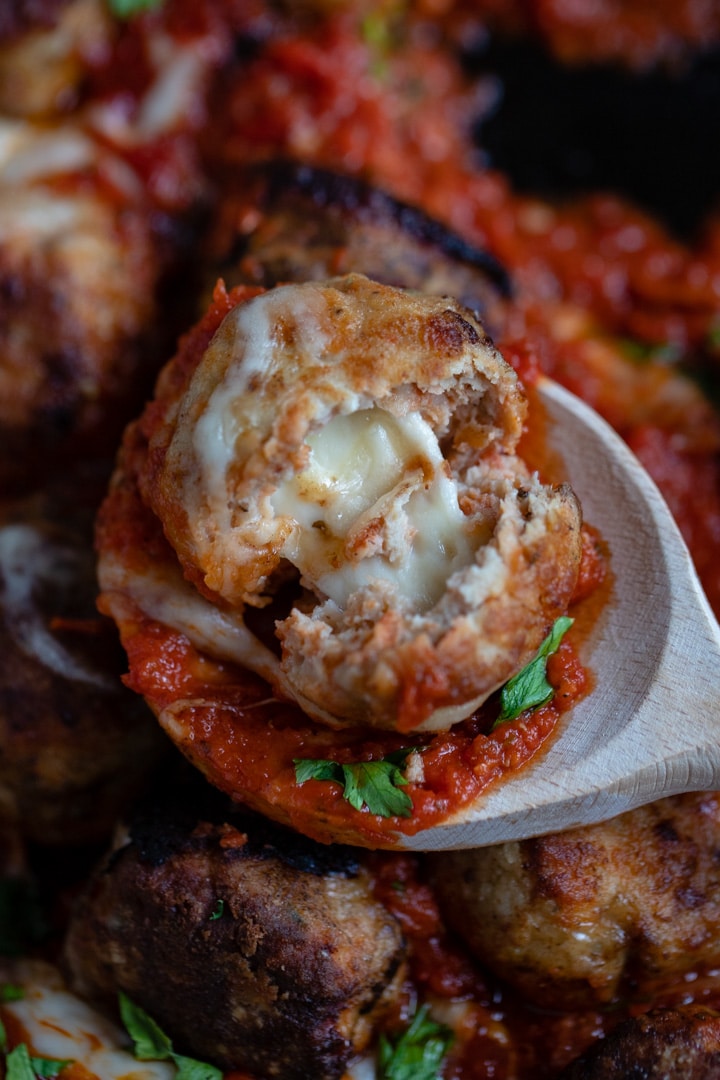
column 656, row 352
column 418, row 1053
column 529, row 688
column 19, row 1065
column 218, row 912
column 152, row 1044
column 373, row 784
column 125, row 9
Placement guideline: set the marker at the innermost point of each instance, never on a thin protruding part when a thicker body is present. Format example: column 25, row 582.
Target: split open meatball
column 570, row 919
column 251, row 947
column 357, row 444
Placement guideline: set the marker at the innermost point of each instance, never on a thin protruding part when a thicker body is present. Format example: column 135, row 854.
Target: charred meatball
column 276, row 943
column 298, row 223
column 567, row 918
column 665, row 1044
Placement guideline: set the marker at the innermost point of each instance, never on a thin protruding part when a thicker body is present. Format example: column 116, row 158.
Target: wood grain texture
column 651, row 725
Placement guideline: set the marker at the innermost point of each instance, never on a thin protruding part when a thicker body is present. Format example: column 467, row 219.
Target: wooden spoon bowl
column 651, row 725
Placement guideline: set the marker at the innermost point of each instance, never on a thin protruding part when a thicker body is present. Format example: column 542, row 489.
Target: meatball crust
column 77, row 286
column 315, row 224
column 666, row 1044
column 277, row 943
column 360, row 442
column 567, row 918
column 75, row 745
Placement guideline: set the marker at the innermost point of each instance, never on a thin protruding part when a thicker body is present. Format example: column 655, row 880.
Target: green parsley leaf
column 376, row 784
column 10, row 992
column 418, row 1053
column 218, row 912
column 372, row 784
column 190, row 1069
column 47, row 1067
column 151, row 1044
column 656, row 352
column 125, row 9
column 317, row 769
column 529, row 688
column 18, row 1065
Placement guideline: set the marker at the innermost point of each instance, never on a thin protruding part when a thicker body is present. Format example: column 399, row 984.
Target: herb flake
column 152, row 1044
column 529, row 689
column 19, row 1065
column 418, row 1053
column 125, row 9
column 376, row 785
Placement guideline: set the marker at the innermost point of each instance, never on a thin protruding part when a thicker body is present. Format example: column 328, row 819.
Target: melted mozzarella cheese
column 59, row 1026
column 231, row 411
column 375, row 504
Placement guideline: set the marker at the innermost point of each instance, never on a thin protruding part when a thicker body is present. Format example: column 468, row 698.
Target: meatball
column 251, row 947
column 665, row 1044
column 360, row 442
column 567, row 919
column 44, row 47
column 315, row 224
column 77, row 283
column 75, row 745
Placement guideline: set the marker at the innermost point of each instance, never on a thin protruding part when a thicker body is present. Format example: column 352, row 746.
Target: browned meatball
column 44, row 48
column 299, row 223
column 251, row 947
column 566, row 918
column 666, row 1044
column 74, row 743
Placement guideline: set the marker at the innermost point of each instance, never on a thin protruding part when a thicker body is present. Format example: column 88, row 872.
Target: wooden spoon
column 651, row 725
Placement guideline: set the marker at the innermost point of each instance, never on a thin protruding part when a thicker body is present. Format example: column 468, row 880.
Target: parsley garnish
column 20, row 1066
column 10, row 992
column 374, row 784
column 529, row 688
column 152, row 1044
column 219, row 909
column 418, row 1053
column 125, row 9
column 656, row 352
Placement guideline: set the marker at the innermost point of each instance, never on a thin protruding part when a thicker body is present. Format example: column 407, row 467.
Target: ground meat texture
column 299, row 223
column 75, row 745
column 78, row 278
column 665, row 1044
column 569, row 919
column 251, row 947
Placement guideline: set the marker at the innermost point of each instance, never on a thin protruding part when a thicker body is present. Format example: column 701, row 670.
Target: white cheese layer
column 61, row 1027
column 374, row 504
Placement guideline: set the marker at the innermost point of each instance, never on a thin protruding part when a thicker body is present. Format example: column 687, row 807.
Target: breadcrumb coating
column 355, row 444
